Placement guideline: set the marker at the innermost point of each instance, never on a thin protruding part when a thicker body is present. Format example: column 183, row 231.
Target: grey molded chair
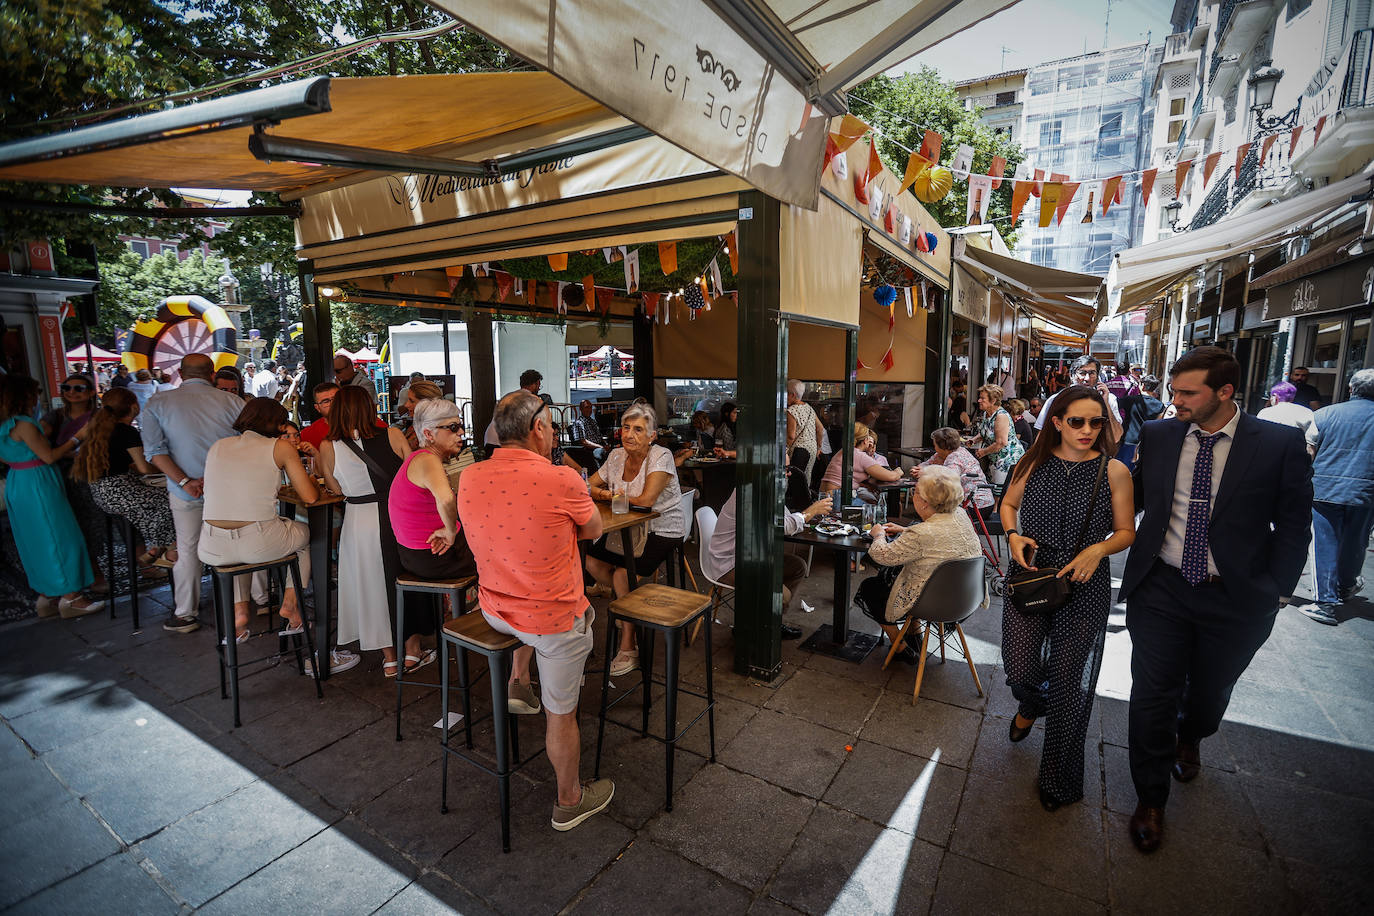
column 950, row 596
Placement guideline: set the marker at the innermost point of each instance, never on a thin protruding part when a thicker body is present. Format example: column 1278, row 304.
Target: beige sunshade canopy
column 1070, row 300
column 462, row 116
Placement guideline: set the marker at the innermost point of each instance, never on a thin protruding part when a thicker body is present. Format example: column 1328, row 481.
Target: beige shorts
column 562, row 659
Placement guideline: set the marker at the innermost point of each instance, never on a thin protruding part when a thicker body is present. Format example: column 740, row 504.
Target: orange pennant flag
column 915, row 165
column 930, row 146
column 1147, row 184
column 589, row 288
column 1293, row 140
column 832, row 149
column 875, row 164
column 1241, row 152
column 558, row 262
column 667, row 257
column 1020, row 191
column 997, row 170
column 850, row 130
column 1265, row 146
column 1068, row 190
column 1181, row 175
column 1110, row 190
column 1049, row 200
column 1317, row 131
column 732, row 249
column 1208, row 165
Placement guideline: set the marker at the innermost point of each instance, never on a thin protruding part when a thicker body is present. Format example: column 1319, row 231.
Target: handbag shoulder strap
column 370, row 461
column 1092, row 503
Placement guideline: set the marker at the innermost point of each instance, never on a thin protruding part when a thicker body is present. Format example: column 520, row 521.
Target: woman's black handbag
column 1041, row 592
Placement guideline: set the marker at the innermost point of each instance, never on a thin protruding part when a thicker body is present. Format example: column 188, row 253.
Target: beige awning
column 460, row 116
column 734, row 82
column 1071, row 300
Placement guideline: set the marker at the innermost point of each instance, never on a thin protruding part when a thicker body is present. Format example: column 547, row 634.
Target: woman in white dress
column 359, row 459
column 804, row 430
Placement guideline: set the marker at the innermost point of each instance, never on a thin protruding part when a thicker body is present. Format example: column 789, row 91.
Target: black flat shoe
column 1016, row 732
column 1047, row 801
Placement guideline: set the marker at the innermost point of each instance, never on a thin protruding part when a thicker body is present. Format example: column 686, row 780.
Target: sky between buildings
column 1035, row 31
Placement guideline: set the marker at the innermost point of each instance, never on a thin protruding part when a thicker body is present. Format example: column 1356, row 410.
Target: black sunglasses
column 1093, row 422
column 455, row 428
column 76, row 387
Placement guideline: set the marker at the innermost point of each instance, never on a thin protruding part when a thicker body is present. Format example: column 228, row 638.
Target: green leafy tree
column 902, row 108
column 132, row 288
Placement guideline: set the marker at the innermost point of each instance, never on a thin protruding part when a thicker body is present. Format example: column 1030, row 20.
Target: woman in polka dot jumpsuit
column 1052, row 661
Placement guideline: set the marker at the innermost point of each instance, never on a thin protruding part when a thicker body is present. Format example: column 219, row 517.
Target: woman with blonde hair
column 111, row 455
column 866, row 466
column 994, row 438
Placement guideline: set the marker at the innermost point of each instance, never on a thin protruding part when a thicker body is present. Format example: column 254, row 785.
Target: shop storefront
column 1332, row 314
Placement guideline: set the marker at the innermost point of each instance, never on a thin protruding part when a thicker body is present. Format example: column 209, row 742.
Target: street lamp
column 1263, row 82
column 1171, row 210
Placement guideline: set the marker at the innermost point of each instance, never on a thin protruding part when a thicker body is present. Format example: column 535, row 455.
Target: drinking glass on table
column 620, row 500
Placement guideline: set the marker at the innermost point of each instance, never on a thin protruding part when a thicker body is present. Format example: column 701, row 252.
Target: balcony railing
column 1357, row 91
column 1176, row 46
column 1223, row 20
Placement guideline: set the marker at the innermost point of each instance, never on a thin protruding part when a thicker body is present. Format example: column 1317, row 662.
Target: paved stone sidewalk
column 122, row 789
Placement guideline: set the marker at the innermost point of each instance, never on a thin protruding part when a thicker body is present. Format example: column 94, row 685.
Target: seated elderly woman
column 950, row 453
column 867, row 467
column 647, row 473
column 944, row 533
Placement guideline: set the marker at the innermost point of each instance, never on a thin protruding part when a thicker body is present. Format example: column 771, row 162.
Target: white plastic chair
column 706, row 528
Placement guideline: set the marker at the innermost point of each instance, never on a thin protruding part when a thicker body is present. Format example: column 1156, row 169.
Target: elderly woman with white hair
column 804, row 430
column 649, row 477
column 944, row 533
column 424, row 508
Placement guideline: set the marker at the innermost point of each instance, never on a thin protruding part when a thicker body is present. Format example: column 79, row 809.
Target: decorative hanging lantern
column 933, row 184
column 884, row 295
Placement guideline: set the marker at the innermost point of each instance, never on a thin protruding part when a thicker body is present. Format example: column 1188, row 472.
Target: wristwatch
column 1010, row 531
column 183, row 481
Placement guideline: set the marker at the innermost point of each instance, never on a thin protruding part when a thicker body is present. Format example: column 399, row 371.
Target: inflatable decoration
column 183, row 325
column 933, row 184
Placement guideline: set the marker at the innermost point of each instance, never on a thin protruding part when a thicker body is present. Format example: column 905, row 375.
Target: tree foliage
column 902, row 108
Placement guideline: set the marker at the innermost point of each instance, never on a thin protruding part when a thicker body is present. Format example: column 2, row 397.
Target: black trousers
column 1189, row 646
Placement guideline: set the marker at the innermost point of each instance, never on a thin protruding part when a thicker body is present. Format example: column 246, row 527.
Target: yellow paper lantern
column 933, row 184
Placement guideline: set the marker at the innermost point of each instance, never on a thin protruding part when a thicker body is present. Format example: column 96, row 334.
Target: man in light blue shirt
column 179, row 426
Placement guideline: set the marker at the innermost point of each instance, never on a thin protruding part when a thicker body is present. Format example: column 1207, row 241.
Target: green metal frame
column 317, row 329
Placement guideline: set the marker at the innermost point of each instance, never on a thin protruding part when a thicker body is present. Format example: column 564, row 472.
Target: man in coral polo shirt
column 524, row 516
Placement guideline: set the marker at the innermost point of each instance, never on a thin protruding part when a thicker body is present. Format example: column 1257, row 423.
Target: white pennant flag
column 906, row 291
column 904, row 234
column 562, row 306
column 839, row 167
column 606, row 253
column 979, row 190
column 632, row 271
column 963, row 159
column 875, row 203
column 486, row 269
column 718, row 286
column 519, row 287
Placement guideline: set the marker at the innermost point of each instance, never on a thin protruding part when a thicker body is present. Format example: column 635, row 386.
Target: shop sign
column 54, row 355
column 1340, row 287
column 1226, row 322
column 971, row 299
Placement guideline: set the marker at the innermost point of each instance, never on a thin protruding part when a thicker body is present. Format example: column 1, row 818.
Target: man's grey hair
column 431, row 414
column 638, row 411
column 796, row 387
column 1362, row 384
column 515, row 415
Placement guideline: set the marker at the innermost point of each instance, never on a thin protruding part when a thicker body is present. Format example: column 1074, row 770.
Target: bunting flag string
column 1208, row 166
column 1241, row 152
column 1147, row 183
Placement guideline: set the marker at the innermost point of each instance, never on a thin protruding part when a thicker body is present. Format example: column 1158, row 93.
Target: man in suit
column 1228, row 512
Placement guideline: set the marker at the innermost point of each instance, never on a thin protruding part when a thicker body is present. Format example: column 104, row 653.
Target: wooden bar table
column 625, row 524
column 320, row 516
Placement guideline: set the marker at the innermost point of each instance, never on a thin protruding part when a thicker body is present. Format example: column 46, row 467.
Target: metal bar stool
column 472, row 633
column 670, row 610
column 457, row 592
column 125, row 528
column 222, row 580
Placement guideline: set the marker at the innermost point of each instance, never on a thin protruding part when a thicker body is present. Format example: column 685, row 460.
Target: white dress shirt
column 264, row 384
column 720, row 553
column 1172, row 550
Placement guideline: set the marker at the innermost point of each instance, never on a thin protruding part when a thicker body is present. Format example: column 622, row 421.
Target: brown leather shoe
column 1187, row 762
column 1147, row 828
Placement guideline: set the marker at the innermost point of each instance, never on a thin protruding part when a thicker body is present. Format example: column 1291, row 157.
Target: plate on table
column 832, row 530
column 707, row 460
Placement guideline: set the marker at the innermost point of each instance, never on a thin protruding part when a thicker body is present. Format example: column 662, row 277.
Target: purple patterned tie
column 1199, row 511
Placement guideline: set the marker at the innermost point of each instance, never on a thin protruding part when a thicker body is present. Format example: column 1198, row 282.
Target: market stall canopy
column 1071, row 300
column 607, row 352
column 463, row 117
column 1141, row 273
column 365, row 355
column 78, row 354
column 733, row 82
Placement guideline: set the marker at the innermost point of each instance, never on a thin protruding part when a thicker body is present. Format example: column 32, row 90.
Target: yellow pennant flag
column 732, row 248
column 915, row 165
column 850, row 130
column 558, row 262
column 1049, row 201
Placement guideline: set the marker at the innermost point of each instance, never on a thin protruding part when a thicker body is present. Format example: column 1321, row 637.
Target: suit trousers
column 1189, row 646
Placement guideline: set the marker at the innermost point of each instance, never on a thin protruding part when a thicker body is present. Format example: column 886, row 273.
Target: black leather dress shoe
column 789, row 632
column 1187, row 762
column 1016, row 732
column 1147, row 828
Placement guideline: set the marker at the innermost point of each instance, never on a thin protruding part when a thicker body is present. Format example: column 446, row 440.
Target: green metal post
column 644, row 355
column 317, row 338
column 482, row 366
column 851, row 395
column 758, row 479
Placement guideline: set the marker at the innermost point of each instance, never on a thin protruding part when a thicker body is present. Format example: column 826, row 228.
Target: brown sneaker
column 596, row 795
column 520, row 699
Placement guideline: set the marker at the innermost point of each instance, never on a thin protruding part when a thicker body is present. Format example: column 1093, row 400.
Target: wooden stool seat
column 411, row 582
column 661, row 606
column 474, row 630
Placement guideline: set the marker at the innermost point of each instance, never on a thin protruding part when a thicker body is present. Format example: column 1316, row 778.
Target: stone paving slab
column 115, row 886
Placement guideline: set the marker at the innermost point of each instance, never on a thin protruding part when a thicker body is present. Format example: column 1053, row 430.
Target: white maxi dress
column 363, row 608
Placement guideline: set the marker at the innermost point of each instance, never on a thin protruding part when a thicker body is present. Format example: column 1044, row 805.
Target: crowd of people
column 1211, row 560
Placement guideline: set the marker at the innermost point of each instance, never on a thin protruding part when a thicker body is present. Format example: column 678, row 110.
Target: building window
column 1177, row 117
column 1295, row 7
column 1111, row 126
column 170, row 249
column 1006, row 98
column 1051, row 132
column 1041, row 83
column 139, row 248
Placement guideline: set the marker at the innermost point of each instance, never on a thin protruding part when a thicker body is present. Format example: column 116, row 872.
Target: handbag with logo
column 1041, row 592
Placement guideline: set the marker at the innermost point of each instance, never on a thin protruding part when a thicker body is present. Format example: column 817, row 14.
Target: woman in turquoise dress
column 51, row 547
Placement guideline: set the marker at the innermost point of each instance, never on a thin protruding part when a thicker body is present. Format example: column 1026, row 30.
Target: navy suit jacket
column 1261, row 519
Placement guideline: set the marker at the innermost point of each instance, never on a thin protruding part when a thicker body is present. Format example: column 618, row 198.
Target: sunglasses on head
column 76, row 387
column 1077, row 422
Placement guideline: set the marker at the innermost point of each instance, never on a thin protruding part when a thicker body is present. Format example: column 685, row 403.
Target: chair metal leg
column 219, row 638
column 921, row 665
column 646, row 675
column 605, row 690
column 969, row 658
column 670, row 659
column 400, row 661
column 225, row 609
column 496, row 663
column 443, row 706
column 710, row 697
column 940, row 631
column 309, row 639
column 109, row 563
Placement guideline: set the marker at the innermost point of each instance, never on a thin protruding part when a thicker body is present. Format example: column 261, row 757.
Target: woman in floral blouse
column 993, row 436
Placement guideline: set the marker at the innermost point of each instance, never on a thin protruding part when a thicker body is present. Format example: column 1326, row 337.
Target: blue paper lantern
column 885, row 295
